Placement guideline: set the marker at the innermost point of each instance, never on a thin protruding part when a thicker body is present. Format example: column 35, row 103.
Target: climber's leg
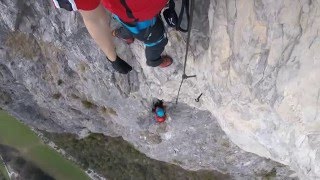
column 153, row 55
column 155, row 41
column 124, row 34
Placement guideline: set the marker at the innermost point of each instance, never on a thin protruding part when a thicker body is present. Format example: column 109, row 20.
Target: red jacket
column 126, row 10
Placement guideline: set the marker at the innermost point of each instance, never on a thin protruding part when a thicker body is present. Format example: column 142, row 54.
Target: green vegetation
column 83, row 66
column 28, row 46
column 20, row 137
column 22, row 44
column 109, row 111
column 4, row 97
column 88, row 104
column 270, row 175
column 114, row 158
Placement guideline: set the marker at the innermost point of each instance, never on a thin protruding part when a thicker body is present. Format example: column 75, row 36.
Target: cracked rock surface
column 257, row 64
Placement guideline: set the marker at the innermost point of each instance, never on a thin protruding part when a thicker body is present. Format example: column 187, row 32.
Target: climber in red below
column 140, row 20
column 159, row 111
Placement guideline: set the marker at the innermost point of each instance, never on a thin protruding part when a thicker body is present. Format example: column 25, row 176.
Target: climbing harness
column 184, row 76
column 138, row 26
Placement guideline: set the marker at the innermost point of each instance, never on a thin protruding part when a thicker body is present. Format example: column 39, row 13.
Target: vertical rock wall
column 256, row 64
column 264, row 64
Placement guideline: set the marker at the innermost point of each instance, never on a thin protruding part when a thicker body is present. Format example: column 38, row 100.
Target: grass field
column 17, row 135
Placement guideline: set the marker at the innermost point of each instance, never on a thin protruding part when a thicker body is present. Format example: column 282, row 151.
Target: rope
column 179, row 90
column 184, row 76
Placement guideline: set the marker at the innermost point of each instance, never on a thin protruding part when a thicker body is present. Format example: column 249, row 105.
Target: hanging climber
column 159, row 111
column 140, row 20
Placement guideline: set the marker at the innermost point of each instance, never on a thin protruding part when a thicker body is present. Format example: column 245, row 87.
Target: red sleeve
column 87, row 4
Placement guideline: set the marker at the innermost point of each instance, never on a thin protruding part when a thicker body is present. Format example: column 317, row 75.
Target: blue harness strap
column 139, row 26
column 154, row 43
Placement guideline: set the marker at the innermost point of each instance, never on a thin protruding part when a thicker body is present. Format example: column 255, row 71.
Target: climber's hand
column 121, row 66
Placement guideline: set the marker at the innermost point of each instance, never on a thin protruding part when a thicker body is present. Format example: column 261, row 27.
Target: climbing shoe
column 166, row 61
column 123, row 35
column 121, row 66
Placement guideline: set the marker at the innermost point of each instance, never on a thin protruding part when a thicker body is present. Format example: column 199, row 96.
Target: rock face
column 256, row 62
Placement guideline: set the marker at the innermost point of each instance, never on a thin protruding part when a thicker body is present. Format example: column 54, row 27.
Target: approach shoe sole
column 167, row 61
column 128, row 40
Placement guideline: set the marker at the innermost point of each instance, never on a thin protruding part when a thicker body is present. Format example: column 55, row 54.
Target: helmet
column 160, row 112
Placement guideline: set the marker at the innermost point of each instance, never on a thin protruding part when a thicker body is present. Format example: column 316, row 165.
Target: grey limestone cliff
column 257, row 64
